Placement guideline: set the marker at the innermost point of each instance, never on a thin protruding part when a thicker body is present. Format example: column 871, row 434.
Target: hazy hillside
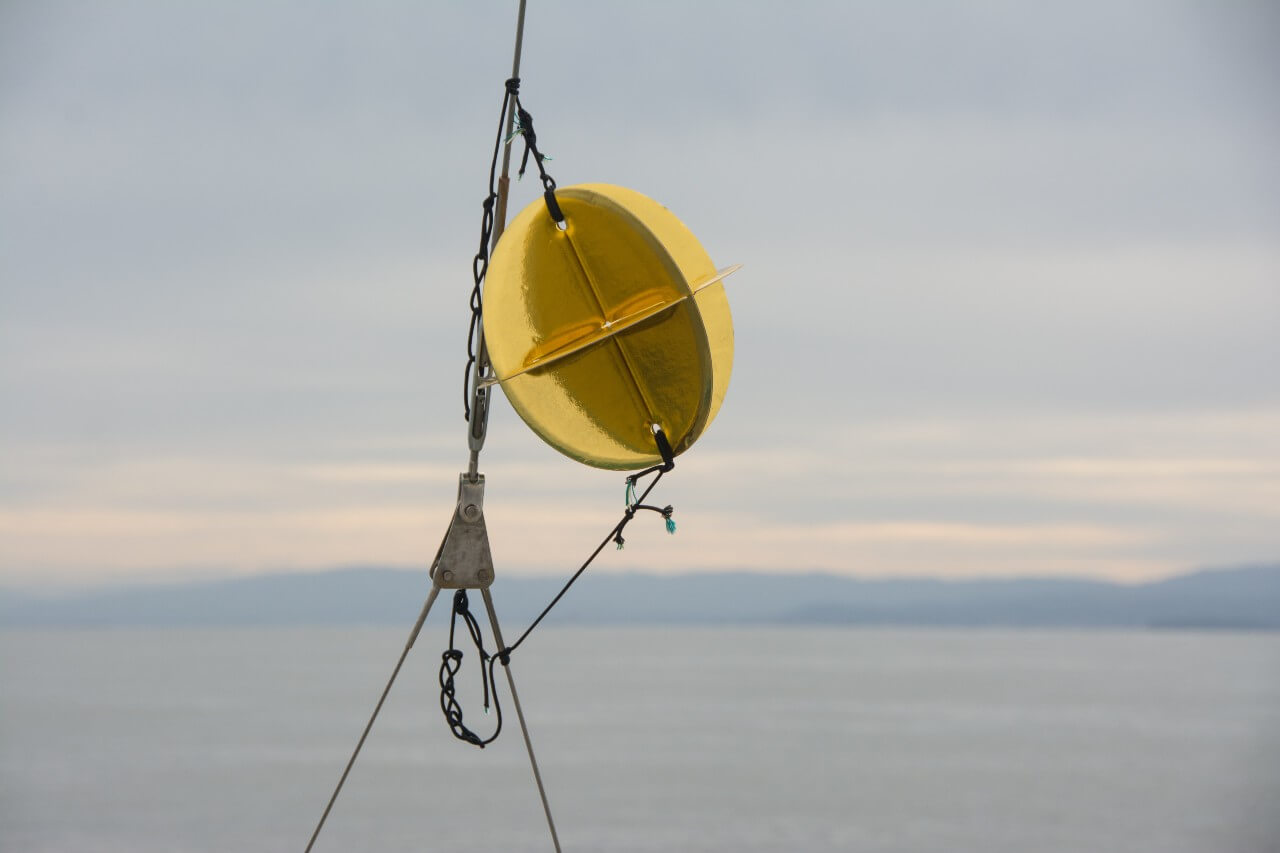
column 1227, row 598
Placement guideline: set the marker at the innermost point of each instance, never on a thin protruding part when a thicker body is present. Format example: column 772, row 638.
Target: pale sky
column 1010, row 302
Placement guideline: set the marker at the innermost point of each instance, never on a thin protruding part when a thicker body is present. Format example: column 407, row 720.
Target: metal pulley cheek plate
column 602, row 330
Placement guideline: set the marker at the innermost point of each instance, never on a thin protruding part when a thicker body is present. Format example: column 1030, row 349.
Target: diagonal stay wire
column 505, row 653
column 413, row 635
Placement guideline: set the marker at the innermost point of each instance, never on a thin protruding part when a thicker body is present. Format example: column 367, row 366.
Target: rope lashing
column 524, row 127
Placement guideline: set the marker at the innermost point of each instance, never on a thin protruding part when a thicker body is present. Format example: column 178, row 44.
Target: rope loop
column 451, row 663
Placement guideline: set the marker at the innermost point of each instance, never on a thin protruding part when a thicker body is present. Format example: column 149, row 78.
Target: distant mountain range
column 1237, row 598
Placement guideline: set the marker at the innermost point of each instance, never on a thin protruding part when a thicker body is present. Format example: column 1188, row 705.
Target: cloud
column 234, row 269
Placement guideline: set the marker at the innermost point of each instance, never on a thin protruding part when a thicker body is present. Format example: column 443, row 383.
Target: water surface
column 650, row 739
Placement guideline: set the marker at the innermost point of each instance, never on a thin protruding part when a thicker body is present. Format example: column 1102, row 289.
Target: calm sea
column 650, row 740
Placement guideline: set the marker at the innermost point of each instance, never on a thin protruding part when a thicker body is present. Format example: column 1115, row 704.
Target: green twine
column 518, row 130
column 671, row 525
column 631, row 492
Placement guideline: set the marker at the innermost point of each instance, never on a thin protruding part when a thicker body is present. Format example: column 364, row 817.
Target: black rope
column 614, row 535
column 451, row 662
column 480, row 263
column 452, row 659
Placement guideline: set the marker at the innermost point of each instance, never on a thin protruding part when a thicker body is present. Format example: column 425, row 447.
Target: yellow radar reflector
column 605, row 328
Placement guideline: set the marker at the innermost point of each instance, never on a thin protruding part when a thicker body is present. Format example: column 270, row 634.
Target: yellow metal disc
column 595, row 331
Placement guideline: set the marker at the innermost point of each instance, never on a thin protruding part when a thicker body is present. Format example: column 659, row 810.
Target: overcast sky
column 1010, row 302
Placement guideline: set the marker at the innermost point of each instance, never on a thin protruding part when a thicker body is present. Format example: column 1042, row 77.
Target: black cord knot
column 513, row 85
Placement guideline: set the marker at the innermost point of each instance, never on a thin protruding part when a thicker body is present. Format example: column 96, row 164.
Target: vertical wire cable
column 482, row 362
column 499, row 225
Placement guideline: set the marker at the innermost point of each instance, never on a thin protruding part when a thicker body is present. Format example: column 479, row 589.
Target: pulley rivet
column 448, row 575
column 471, row 512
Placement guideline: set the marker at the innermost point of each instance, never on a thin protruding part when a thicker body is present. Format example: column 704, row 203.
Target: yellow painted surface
column 595, row 333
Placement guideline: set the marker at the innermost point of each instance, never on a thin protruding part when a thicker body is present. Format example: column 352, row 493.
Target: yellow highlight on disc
column 602, row 330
